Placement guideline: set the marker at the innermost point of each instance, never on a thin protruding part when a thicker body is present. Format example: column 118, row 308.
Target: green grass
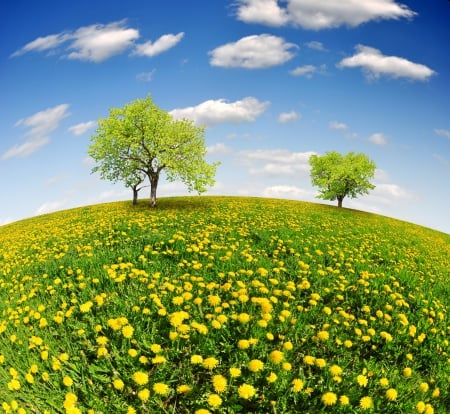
column 223, row 305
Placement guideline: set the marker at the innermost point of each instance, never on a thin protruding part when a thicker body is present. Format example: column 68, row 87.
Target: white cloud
column 219, row 149
column 160, row 45
column 253, row 52
column 443, row 132
column 378, row 138
column 375, row 64
column 40, row 125
column 94, row 43
column 43, row 43
column 146, row 76
column 338, row 125
column 316, row 45
column 80, row 129
column 287, row 191
column 288, row 117
column 50, row 206
column 27, row 148
column 306, row 70
column 276, row 162
column 317, row 15
column 381, row 175
column 218, row 111
column 389, row 192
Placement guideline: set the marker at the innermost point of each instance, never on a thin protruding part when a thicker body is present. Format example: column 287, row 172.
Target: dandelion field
column 223, row 305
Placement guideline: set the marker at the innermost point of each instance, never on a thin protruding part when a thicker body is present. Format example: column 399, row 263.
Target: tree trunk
column 153, row 186
column 340, row 199
column 135, row 195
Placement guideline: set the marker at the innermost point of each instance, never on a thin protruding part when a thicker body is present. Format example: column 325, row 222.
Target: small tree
column 141, row 140
column 339, row 176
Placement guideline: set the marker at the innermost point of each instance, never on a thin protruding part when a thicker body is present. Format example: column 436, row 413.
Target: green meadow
column 223, row 305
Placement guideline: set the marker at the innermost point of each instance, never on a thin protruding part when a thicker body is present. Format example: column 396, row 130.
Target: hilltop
column 224, row 305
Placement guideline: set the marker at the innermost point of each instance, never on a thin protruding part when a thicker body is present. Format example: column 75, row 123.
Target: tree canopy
column 339, row 176
column 141, row 140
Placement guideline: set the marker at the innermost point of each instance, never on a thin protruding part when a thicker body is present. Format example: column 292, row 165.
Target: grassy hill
column 223, row 305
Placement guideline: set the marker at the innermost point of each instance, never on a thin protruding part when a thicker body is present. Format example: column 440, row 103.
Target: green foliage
column 223, row 305
column 339, row 176
column 141, row 140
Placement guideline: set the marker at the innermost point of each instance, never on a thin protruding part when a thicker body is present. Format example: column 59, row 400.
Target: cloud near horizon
column 375, row 65
column 213, row 112
column 253, row 52
column 40, row 125
column 98, row 42
column 317, row 15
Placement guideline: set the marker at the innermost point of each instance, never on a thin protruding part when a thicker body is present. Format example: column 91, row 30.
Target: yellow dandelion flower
column 348, row 343
column 288, row 346
column 219, row 383
column 329, row 398
column 366, row 403
column 102, row 340
column 67, row 381
column 391, row 394
column 429, row 409
column 424, row 387
column 321, row 363
column 323, row 335
column 297, row 385
column 140, row 378
column 272, row 377
column 14, row 385
column 210, row 362
column 118, row 384
column 184, row 389
column 335, row 370
column 309, row 360
column 132, row 352
column 407, row 372
column 102, row 351
column 235, row 372
column 158, row 359
column 131, row 410
column 144, row 394
column 243, row 318
column 246, row 391
column 196, row 359
column 127, row 331
column 86, row 307
column 243, row 344
column 384, row 382
column 286, row 366
column 344, row 400
column 436, row 392
column 202, row 411
column 276, row 356
column 156, row 348
column 160, row 388
column 214, row 400
column 255, row 365
column 362, row 380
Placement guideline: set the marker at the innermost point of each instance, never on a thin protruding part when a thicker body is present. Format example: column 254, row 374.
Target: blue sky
column 273, row 81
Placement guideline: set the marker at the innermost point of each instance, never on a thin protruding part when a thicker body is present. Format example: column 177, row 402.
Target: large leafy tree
column 141, row 140
column 339, row 176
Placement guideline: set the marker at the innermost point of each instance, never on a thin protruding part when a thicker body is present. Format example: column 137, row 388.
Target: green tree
column 339, row 176
column 141, row 140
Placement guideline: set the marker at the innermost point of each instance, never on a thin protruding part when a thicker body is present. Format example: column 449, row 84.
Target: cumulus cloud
column 287, row 191
column 40, row 125
column 80, row 129
column 253, row 52
column 314, row 44
column 291, row 116
column 306, row 70
column 338, row 125
column 378, row 138
column 50, row 206
column 213, row 112
column 317, row 15
column 219, row 149
column 146, row 76
column 392, row 192
column 443, row 132
column 98, row 42
column 375, row 64
column 276, row 162
column 160, row 45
